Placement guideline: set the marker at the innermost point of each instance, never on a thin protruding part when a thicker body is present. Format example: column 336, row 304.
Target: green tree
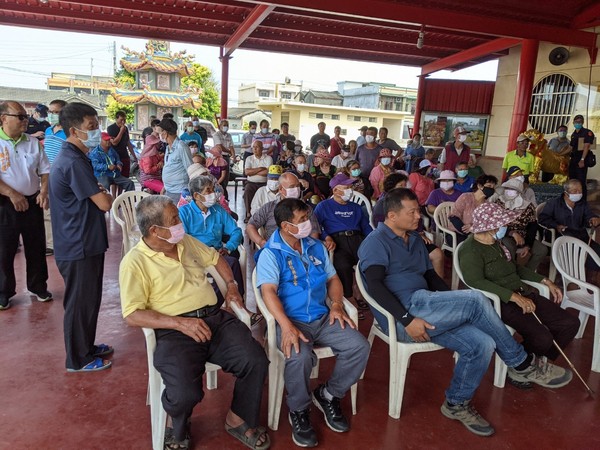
column 127, row 80
column 202, row 77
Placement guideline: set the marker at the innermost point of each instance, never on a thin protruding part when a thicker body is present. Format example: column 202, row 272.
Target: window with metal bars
column 552, row 103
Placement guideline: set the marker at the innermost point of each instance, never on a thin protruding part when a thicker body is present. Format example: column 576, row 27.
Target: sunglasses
column 19, row 116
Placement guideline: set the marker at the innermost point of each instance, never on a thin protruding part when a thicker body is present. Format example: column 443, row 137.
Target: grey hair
column 198, row 184
column 570, row 183
column 150, row 212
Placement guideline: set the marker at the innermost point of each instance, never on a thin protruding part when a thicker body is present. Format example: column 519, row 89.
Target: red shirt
column 336, row 146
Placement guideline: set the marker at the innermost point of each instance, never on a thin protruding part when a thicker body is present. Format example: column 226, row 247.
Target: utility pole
column 92, row 74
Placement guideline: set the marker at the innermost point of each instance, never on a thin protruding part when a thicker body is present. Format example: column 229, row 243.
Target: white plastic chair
column 500, row 368
column 546, row 236
column 123, row 210
column 276, row 382
column 360, row 199
column 158, row 416
column 440, row 217
column 570, row 255
column 400, row 352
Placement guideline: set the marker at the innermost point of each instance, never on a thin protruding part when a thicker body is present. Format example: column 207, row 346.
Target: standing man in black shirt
column 121, row 142
column 37, row 124
column 581, row 141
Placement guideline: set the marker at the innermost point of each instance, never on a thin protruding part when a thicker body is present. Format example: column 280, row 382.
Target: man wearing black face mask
column 80, row 236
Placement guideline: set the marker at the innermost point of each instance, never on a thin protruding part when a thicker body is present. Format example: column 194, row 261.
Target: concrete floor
column 43, row 407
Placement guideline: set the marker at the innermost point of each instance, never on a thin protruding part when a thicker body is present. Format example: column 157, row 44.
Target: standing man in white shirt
column 256, row 169
column 24, row 170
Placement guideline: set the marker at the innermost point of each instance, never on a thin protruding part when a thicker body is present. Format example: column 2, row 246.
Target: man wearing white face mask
column 344, row 223
column 80, row 236
column 368, row 153
column 455, row 152
column 189, row 135
column 269, row 192
column 206, row 220
column 571, row 215
column 289, row 187
column 296, row 276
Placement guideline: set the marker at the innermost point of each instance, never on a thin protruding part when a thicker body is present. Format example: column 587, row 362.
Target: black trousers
column 83, row 294
column 577, row 172
column 30, row 225
column 249, row 193
column 181, row 362
column 345, row 256
column 537, row 339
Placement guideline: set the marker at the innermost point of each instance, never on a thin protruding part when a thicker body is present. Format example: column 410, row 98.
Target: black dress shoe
column 4, row 303
column 303, row 433
column 331, row 410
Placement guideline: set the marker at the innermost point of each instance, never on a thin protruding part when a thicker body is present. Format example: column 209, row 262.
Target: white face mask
column 575, row 197
column 521, row 178
column 264, row 130
column 272, row 185
column 304, row 229
column 252, row 130
column 195, row 123
column 462, row 137
column 446, row 185
column 300, row 168
column 561, row 134
column 209, row 199
column 190, row 129
column 386, row 161
column 225, row 129
column 292, row 192
column 347, row 195
column 510, row 193
column 345, row 154
column 177, row 233
column 369, row 139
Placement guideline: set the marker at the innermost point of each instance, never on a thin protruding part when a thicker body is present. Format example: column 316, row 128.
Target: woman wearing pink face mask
column 521, row 234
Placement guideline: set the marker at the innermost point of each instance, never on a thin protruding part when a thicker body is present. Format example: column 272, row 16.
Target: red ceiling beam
column 245, row 29
column 389, row 11
column 469, row 55
column 588, row 18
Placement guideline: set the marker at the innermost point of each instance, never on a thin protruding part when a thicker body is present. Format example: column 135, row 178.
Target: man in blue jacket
column 296, row 277
column 107, row 165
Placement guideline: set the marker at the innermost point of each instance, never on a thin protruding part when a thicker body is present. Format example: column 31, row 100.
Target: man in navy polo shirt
column 80, row 237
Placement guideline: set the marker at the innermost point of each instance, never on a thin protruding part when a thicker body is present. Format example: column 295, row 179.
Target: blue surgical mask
column 578, row 126
column 93, row 138
column 386, row 161
column 462, row 173
column 53, row 119
column 500, row 233
column 355, row 172
column 562, row 134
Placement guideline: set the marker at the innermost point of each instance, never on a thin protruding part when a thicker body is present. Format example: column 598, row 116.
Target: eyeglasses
column 19, row 116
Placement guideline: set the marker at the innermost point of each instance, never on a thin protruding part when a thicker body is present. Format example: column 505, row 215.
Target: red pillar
column 529, row 52
column 224, row 83
column 419, row 105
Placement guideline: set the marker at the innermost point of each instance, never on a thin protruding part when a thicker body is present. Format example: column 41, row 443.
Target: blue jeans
column 466, row 323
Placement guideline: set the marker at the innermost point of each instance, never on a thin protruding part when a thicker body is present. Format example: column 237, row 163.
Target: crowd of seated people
column 309, row 233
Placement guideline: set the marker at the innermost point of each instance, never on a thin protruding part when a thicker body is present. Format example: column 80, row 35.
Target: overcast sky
column 38, row 52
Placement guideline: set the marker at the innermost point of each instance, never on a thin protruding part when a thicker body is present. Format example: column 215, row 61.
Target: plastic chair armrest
column 241, row 314
column 541, row 288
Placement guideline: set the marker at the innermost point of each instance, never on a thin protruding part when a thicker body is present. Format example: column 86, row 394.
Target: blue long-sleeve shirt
column 210, row 228
column 335, row 217
column 101, row 160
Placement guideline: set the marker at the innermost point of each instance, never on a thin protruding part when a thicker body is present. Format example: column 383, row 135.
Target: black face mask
column 488, row 191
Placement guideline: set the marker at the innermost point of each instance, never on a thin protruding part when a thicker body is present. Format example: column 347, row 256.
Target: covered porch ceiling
column 456, row 34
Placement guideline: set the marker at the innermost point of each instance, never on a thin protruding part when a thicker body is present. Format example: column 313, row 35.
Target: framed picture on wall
column 437, row 129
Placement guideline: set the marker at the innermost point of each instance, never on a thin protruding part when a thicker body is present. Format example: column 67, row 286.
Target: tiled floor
column 43, row 407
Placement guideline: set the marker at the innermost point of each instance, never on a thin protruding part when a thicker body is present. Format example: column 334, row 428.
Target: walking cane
column 566, row 359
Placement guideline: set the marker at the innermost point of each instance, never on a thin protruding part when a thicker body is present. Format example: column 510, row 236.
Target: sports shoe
column 331, row 410
column 43, row 296
column 541, row 372
column 469, row 417
column 303, row 433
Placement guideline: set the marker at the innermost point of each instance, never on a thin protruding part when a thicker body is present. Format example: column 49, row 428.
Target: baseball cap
column 522, row 137
column 460, row 130
column 340, row 179
column 105, row 136
column 447, row 175
column 512, row 170
column 577, row 117
column 424, row 163
column 42, row 109
column 364, row 128
column 275, row 171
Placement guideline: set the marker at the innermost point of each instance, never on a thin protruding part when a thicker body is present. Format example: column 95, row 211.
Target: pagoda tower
column 158, row 88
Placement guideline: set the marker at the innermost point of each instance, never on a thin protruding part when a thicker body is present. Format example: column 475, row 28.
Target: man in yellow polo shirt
column 519, row 157
column 164, row 286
